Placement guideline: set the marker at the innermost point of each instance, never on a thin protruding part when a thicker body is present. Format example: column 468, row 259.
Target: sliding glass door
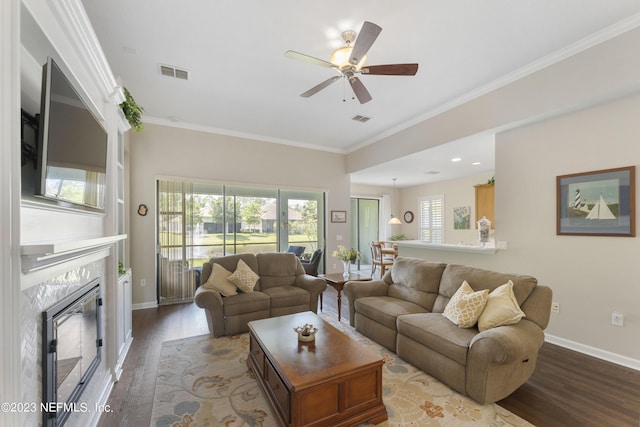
column 365, row 227
column 300, row 220
column 197, row 221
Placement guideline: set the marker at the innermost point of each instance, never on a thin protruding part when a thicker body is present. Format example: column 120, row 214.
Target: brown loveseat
column 404, row 312
column 282, row 288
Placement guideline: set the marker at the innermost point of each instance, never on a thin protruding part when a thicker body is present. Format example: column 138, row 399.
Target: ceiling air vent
column 360, row 118
column 169, row 71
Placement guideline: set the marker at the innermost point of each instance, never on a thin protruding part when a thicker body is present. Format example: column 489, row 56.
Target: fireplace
column 71, row 341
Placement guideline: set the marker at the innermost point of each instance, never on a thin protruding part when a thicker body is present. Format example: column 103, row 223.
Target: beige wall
column 162, row 151
column 590, row 276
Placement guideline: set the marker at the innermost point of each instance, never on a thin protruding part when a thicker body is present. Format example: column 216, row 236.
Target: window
column 432, row 219
column 197, row 221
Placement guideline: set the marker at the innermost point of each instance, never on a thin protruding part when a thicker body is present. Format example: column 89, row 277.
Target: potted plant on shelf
column 132, row 111
column 121, row 270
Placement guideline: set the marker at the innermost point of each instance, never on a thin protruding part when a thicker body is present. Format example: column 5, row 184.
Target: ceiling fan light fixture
column 340, row 58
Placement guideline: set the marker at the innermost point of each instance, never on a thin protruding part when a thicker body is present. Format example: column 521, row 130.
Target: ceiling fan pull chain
column 344, row 88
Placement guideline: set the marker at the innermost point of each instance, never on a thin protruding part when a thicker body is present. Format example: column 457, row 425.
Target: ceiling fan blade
column 391, row 69
column 319, row 87
column 306, row 58
column 361, row 92
column 368, row 34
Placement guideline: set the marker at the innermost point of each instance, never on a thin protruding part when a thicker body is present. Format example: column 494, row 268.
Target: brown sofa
column 283, row 288
column 404, row 313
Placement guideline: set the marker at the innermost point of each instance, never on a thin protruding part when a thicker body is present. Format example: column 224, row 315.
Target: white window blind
column 432, row 219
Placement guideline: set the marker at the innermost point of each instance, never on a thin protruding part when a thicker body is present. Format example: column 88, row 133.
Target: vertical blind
column 432, row 219
column 176, row 278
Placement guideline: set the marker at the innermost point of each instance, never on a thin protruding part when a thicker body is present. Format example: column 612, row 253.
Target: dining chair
column 379, row 259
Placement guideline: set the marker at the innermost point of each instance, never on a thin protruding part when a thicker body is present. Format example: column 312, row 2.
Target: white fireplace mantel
column 37, row 256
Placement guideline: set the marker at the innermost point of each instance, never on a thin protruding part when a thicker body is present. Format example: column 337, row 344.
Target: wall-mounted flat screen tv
column 72, row 146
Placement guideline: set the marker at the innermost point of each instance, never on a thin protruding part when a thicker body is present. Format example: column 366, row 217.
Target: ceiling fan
column 350, row 60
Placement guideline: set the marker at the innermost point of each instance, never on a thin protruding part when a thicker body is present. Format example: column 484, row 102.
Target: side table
column 337, row 281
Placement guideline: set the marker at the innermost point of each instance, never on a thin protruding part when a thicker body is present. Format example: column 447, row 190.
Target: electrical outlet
column 555, row 307
column 143, row 282
column 617, row 319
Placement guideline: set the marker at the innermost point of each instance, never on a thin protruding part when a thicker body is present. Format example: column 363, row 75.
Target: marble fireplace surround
column 54, row 271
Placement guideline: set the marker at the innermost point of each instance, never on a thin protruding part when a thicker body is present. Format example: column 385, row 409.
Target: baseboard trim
column 144, row 305
column 595, row 352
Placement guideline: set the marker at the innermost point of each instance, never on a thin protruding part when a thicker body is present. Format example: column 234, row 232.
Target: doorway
column 365, row 227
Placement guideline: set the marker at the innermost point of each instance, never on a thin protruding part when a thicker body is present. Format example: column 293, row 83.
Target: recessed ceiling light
column 456, row 159
column 475, row 163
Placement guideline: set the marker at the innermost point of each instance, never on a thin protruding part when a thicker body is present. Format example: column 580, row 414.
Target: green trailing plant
column 121, row 269
column 492, row 180
column 132, row 111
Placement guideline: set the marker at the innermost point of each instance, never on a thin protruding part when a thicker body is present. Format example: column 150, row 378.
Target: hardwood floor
column 567, row 389
column 132, row 397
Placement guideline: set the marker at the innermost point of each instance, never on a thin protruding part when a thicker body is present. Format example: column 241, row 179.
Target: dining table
column 390, row 250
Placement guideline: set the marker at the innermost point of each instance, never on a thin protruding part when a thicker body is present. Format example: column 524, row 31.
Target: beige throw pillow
column 218, row 281
column 244, row 277
column 465, row 306
column 502, row 308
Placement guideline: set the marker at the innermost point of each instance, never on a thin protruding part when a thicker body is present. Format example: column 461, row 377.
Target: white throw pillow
column 244, row 277
column 219, row 281
column 466, row 305
column 502, row 308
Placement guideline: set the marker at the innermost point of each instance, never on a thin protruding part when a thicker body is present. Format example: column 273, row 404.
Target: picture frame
column 338, row 216
column 597, row 203
column 462, row 218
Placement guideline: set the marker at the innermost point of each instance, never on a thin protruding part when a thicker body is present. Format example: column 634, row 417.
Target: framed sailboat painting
column 597, row 203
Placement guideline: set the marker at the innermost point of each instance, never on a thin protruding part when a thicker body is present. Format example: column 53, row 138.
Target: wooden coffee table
column 337, row 281
column 333, row 381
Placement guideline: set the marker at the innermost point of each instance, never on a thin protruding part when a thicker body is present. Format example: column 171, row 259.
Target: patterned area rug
column 204, row 381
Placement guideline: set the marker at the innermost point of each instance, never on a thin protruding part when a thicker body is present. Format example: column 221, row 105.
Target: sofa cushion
column 244, row 277
column 478, row 278
column 230, row 262
column 385, row 310
column 278, row 269
column 438, row 333
column 219, row 281
column 465, row 306
column 246, row 303
column 287, row 296
column 502, row 308
column 417, row 274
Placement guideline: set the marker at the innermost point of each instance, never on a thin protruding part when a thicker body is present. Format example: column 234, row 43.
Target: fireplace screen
column 71, row 352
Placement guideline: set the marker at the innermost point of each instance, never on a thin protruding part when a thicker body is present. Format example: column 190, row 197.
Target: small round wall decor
column 142, row 210
column 408, row 217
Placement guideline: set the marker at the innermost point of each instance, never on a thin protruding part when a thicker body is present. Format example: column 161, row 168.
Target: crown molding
column 77, row 26
column 236, row 134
